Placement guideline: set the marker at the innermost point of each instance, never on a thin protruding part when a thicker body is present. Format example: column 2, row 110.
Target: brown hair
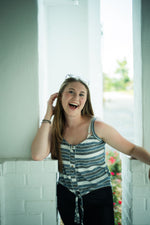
column 59, row 118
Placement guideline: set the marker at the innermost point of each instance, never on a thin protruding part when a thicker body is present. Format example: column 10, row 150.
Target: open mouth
column 73, row 106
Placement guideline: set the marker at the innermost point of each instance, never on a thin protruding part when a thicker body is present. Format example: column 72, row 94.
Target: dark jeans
column 98, row 206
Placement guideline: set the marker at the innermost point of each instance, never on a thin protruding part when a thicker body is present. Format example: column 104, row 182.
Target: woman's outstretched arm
column 112, row 137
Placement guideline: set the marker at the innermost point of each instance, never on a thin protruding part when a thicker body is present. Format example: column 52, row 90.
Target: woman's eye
column 71, row 92
column 81, row 95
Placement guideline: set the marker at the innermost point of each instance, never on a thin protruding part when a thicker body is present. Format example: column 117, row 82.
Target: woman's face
column 74, row 98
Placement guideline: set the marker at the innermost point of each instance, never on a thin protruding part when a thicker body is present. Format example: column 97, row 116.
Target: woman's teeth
column 73, row 106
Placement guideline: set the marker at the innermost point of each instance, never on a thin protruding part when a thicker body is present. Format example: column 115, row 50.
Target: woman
column 77, row 139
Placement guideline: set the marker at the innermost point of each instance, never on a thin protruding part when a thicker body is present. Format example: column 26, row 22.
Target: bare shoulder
column 112, row 137
column 98, row 124
column 100, row 127
column 104, row 130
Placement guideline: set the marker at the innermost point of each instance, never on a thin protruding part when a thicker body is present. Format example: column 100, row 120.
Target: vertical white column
column 136, row 189
column 145, row 50
column 43, row 59
column 94, row 44
column 137, row 64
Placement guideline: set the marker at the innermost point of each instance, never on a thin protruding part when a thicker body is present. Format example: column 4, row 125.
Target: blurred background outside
column 118, row 94
column 117, row 65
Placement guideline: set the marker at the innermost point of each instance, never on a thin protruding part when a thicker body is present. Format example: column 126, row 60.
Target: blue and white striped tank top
column 84, row 166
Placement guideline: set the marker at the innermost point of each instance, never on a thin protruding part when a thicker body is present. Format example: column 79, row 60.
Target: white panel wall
column 136, row 192
column 28, row 192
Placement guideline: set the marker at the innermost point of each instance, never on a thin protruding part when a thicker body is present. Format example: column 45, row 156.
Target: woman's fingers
column 52, row 98
column 50, row 107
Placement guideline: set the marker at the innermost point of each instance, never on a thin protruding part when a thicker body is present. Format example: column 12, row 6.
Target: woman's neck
column 74, row 121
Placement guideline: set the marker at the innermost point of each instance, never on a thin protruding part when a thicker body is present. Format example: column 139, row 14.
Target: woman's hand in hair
column 50, row 107
column 41, row 144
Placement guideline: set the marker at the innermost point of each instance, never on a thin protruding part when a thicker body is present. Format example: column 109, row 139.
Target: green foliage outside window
column 120, row 81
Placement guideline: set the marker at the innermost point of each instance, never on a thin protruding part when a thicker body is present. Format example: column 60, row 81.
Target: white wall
column 72, row 46
column 67, row 41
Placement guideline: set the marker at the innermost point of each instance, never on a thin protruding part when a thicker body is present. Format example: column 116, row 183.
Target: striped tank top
column 84, row 167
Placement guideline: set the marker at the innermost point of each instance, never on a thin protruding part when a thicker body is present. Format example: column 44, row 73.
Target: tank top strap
column 91, row 126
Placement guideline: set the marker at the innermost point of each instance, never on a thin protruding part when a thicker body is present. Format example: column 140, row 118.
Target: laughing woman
column 77, row 139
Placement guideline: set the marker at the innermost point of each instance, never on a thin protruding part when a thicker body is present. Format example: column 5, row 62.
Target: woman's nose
column 76, row 96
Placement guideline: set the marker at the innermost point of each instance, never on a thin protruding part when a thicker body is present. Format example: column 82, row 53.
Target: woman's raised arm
column 40, row 148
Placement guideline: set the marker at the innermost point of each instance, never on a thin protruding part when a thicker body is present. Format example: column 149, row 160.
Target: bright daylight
column 117, row 59
column 75, row 109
